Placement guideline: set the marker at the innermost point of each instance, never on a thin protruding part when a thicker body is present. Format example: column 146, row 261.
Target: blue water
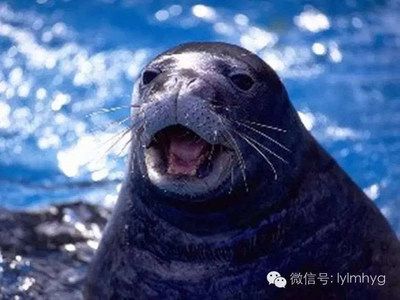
column 63, row 62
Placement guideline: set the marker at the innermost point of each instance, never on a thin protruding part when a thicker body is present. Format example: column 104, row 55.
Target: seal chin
column 180, row 161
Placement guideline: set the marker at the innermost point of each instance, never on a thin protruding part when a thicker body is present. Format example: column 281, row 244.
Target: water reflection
column 60, row 62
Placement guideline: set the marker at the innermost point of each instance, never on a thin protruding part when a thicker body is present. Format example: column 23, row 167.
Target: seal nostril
column 191, row 81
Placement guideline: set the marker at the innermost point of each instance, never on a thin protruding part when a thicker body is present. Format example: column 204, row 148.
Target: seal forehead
column 231, row 53
column 184, row 60
column 197, row 60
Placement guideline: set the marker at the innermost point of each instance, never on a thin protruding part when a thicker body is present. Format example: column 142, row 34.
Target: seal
column 227, row 195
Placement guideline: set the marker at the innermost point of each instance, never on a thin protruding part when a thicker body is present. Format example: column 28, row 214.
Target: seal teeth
column 186, row 153
column 178, row 151
column 182, row 150
column 177, row 166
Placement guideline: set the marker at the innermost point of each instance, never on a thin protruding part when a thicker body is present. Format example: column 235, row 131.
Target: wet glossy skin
column 307, row 216
column 197, row 90
column 194, row 89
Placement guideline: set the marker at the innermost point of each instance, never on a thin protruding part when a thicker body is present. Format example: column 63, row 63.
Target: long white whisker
column 242, row 162
column 113, row 124
column 107, row 110
column 267, row 137
column 125, row 145
column 263, row 125
column 263, row 147
column 263, row 155
column 118, row 140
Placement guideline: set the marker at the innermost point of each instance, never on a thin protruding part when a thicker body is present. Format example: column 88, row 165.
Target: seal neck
column 221, row 211
column 248, row 227
column 224, row 210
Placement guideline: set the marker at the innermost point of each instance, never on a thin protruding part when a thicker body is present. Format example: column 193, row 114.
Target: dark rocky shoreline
column 44, row 254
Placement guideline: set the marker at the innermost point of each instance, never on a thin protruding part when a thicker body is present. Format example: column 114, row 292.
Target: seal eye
column 242, row 81
column 149, row 75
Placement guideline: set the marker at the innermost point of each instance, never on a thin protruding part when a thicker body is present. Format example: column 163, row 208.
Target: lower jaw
column 192, row 185
column 181, row 184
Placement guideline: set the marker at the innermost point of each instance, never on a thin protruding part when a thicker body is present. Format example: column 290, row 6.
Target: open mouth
column 178, row 152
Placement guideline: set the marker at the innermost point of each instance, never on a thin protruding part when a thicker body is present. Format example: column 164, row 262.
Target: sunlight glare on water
column 65, row 64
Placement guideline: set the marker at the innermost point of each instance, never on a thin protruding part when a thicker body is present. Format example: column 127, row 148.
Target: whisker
column 242, row 163
column 125, row 145
column 239, row 155
column 119, row 136
column 121, row 132
column 263, row 147
column 111, row 109
column 104, row 153
column 113, row 123
column 106, row 110
column 263, row 125
column 107, row 127
column 262, row 154
column 267, row 137
column 118, row 140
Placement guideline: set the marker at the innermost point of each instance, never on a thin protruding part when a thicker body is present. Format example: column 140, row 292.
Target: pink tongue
column 185, row 155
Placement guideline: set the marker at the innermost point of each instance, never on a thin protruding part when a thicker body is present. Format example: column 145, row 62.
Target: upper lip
column 216, row 141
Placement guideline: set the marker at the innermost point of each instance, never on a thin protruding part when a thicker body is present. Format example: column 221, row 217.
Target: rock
column 44, row 254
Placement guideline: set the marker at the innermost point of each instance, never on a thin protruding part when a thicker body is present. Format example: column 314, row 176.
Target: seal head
column 201, row 107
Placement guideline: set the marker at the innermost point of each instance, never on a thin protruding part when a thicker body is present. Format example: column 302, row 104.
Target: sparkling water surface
column 67, row 69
